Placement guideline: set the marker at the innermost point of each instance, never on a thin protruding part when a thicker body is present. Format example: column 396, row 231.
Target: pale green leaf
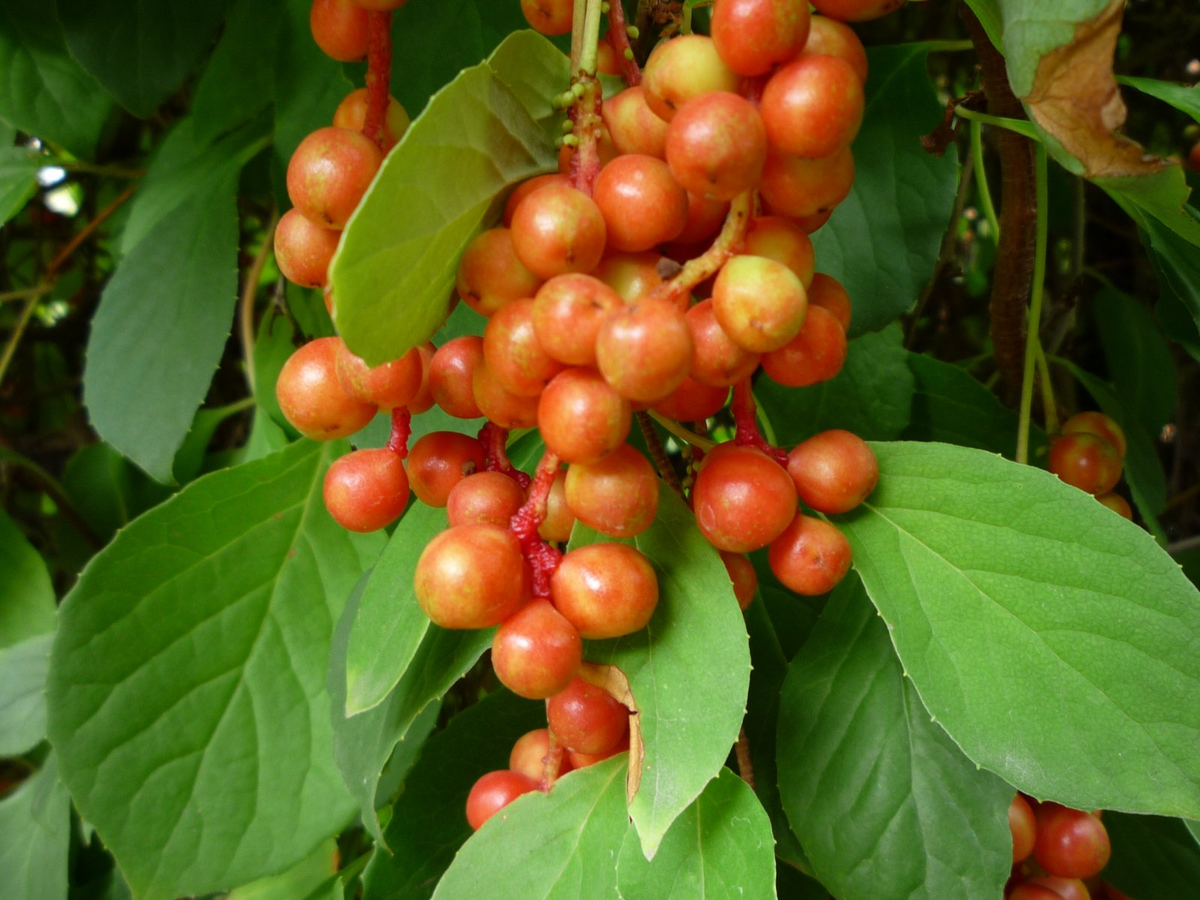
column 720, row 848
column 689, row 669
column 187, row 688
column 557, row 846
column 1030, row 618
column 23, row 670
column 884, row 802
column 298, row 881
column 141, row 52
column 35, row 837
column 1184, row 98
column 394, row 271
column 883, row 240
column 26, row 594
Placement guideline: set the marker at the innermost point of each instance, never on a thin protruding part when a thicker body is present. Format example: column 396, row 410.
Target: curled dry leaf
column 614, row 681
column 1075, row 99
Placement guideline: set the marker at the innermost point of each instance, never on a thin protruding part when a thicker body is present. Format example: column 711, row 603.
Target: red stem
column 619, row 38
column 379, row 74
column 744, row 411
column 494, row 439
column 401, row 431
column 543, row 558
column 585, row 114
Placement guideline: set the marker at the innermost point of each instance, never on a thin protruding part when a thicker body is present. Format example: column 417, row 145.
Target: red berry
column 536, row 651
column 828, row 293
column 605, row 590
column 856, row 10
column 810, row 557
column 366, row 489
column 581, row 418
column 528, row 754
column 1102, row 426
column 1117, row 504
column 340, row 28
column 833, row 38
column 311, row 397
column 799, row 187
column 548, row 16
column 559, row 519
column 743, row 575
column 352, row 113
column 760, row 303
column 833, row 471
column 779, row 239
column 490, row 275
column 471, row 576
column 817, row 353
column 742, row 498
column 580, row 760
column 568, row 311
column 500, row 405
column 513, row 353
column 1023, row 826
column 451, row 374
column 693, row 401
column 558, row 229
column 493, row 792
column 753, row 36
column 642, row 204
column 527, row 187
column 389, row 385
column 485, row 498
column 439, row 461
column 1089, row 463
column 1071, row 843
column 644, row 350
column 329, row 173
column 813, row 106
column 617, row 495
column 1067, row 888
column 303, row 249
column 718, row 360
column 717, row 145
column 587, row 718
column 631, row 275
column 683, row 68
column 1029, row 891
column 633, row 126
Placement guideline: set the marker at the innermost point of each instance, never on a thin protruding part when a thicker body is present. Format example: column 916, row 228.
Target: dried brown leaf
column 614, row 681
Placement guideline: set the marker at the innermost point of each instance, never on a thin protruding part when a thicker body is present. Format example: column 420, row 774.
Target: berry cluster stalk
column 379, row 75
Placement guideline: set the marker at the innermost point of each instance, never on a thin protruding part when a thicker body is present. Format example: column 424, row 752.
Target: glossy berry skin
column 617, row 495
column 329, row 173
column 581, row 417
column 352, row 113
column 502, row 406
column 439, row 461
column 800, row 187
column 581, row 760
column 366, row 490
column 742, row 498
column 742, row 575
column 527, row 187
column 1071, row 843
column 485, row 498
column 311, row 397
column 813, row 106
column 536, row 651
column 683, row 68
column 490, row 275
column 493, row 792
column 587, row 718
column 644, row 350
column 605, row 590
column 389, row 385
column 1023, row 826
column 774, row 237
column 810, row 557
column 548, row 16
column 1089, row 463
column 528, row 755
column 558, row 229
column 717, row 145
column 760, row 303
column 833, row 471
column 856, row 10
column 1117, row 504
column 340, row 29
column 830, row 37
column 1067, row 888
column 705, row 218
column 631, row 275
column 513, row 353
column 752, row 36
column 559, row 521
column 303, row 249
column 450, row 375
column 633, row 126
column 817, row 353
column 693, row 401
column 827, row 292
column 471, row 576
column 718, row 361
column 642, row 204
column 1102, row 426
column 568, row 311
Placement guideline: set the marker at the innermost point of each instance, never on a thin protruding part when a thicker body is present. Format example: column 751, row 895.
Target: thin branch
column 659, row 453
column 249, row 294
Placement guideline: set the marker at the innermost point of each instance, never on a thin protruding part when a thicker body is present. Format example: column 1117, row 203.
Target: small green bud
column 633, row 32
column 577, row 90
column 628, row 53
column 568, row 126
column 571, row 140
column 604, row 8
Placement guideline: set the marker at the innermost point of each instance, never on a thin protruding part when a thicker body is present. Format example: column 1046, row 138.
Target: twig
column 744, row 761
column 1041, row 217
column 659, row 453
column 249, row 293
column 683, row 434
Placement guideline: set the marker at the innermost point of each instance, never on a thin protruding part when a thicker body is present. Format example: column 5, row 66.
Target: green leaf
column 140, row 52
column 393, row 275
column 1015, row 598
column 884, row 802
column 161, row 329
column 187, row 687
column 1143, row 470
column 557, row 846
column 363, row 743
column 390, row 624
column 1153, row 858
column 238, row 81
column 298, row 881
column 273, row 347
column 429, row 821
column 871, row 396
column 719, row 849
column 950, row 406
column 1139, row 360
column 689, row 669
column 23, row 669
column 883, row 240
column 1178, row 271
column 107, row 489
column 44, row 91
column 1183, row 97
column 35, row 836
column 18, row 180
column 1031, row 30
column 26, row 594
column 989, row 16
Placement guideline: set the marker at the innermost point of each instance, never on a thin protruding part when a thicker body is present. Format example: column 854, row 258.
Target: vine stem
column 1032, row 342
column 249, row 293
column 659, row 453
column 985, row 191
column 379, row 75
column 678, row 290
column 1049, row 405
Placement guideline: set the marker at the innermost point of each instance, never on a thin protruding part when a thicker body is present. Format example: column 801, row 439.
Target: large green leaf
column 1183, row 98
column 26, row 594
column 299, row 881
column 883, row 240
column 872, row 395
column 35, row 837
column 718, row 849
column 1178, row 270
column 44, row 91
column 187, row 687
column 689, row 669
column 363, row 743
column 23, row 669
column 393, row 274
column 1153, row 858
column 1139, row 360
column 557, row 846
column 1032, row 619
column 161, row 328
column 1031, row 30
column 18, row 180
column 429, row 821
column 238, row 80
column 952, row 407
column 141, row 52
column 884, row 802
column 390, row 623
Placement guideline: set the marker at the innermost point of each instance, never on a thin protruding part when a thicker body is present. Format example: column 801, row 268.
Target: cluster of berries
column 1090, row 454
column 1058, row 853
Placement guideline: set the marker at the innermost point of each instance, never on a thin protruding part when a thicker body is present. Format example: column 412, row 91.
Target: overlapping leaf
column 952, row 407
column 1032, row 619
column 187, row 689
column 35, row 837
